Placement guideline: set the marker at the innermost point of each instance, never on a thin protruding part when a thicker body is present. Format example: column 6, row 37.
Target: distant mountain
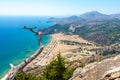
column 115, row 15
column 103, row 32
column 94, row 15
column 94, row 26
column 67, row 20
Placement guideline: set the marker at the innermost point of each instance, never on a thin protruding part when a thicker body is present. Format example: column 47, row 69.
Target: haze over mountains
column 96, row 15
column 94, row 26
column 93, row 15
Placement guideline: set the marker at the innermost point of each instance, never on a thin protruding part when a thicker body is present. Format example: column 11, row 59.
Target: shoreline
column 26, row 59
column 38, row 60
column 49, row 53
column 15, row 69
column 58, row 44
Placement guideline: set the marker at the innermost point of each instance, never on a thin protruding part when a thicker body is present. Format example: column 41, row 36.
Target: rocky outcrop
column 108, row 69
column 112, row 76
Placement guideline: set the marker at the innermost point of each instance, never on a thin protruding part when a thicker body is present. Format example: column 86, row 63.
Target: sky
column 57, row 7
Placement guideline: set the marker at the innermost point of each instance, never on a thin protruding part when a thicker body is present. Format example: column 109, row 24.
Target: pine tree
column 56, row 70
column 23, row 76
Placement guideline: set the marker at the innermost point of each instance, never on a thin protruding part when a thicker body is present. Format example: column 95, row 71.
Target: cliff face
column 108, row 69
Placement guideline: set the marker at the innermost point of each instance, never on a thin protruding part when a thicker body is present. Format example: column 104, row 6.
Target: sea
column 17, row 44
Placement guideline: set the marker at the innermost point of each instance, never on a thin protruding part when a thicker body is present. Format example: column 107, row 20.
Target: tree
column 56, row 70
column 23, row 76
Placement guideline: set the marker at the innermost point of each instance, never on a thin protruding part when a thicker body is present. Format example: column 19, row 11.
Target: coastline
column 37, row 61
column 15, row 69
column 31, row 55
column 57, row 45
column 13, row 46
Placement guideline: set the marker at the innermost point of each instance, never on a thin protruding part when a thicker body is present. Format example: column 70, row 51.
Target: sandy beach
column 66, row 45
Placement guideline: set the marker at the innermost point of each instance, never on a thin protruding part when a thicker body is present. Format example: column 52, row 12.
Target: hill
column 116, row 15
column 67, row 20
column 104, row 32
column 93, row 15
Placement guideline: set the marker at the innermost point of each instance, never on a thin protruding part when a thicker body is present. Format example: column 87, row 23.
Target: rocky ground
column 108, row 69
column 82, row 55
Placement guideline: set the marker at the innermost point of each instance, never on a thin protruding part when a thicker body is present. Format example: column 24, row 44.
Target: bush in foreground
column 56, row 70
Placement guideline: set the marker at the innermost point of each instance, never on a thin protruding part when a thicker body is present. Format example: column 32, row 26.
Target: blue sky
column 57, row 7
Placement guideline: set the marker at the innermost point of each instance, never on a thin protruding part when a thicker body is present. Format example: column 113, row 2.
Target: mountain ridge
column 104, row 32
column 94, row 15
column 88, row 16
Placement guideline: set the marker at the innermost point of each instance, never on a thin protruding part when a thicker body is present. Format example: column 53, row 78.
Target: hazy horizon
column 57, row 7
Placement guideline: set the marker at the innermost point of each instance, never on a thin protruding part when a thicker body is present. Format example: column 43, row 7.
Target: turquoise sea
column 15, row 41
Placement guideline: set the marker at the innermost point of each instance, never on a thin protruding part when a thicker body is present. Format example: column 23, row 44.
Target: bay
column 15, row 42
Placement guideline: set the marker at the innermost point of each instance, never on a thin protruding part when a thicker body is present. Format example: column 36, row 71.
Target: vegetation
column 56, row 70
column 110, row 52
column 104, row 32
column 23, row 76
column 57, row 28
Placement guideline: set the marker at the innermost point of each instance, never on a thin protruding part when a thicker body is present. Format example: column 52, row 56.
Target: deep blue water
column 14, row 41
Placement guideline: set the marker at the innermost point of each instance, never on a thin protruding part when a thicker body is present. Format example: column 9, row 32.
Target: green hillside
column 104, row 32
